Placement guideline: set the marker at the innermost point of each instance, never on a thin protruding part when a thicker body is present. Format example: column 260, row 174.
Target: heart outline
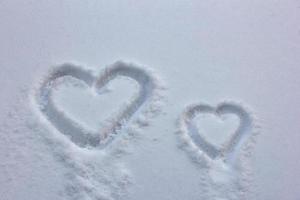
column 229, row 149
column 74, row 131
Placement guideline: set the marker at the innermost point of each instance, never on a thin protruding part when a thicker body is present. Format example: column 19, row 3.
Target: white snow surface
column 167, row 100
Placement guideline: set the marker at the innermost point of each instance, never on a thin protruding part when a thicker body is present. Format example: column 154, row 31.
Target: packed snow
column 167, row 100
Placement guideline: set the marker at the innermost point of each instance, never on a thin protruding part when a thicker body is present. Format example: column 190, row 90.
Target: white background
column 204, row 50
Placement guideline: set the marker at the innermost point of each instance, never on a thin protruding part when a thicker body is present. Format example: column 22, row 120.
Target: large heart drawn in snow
column 79, row 135
column 229, row 147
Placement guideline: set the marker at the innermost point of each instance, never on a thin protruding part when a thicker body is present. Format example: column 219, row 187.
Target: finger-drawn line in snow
column 76, row 132
column 229, row 148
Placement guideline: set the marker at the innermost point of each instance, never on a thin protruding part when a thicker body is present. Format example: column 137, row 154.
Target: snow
column 149, row 100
